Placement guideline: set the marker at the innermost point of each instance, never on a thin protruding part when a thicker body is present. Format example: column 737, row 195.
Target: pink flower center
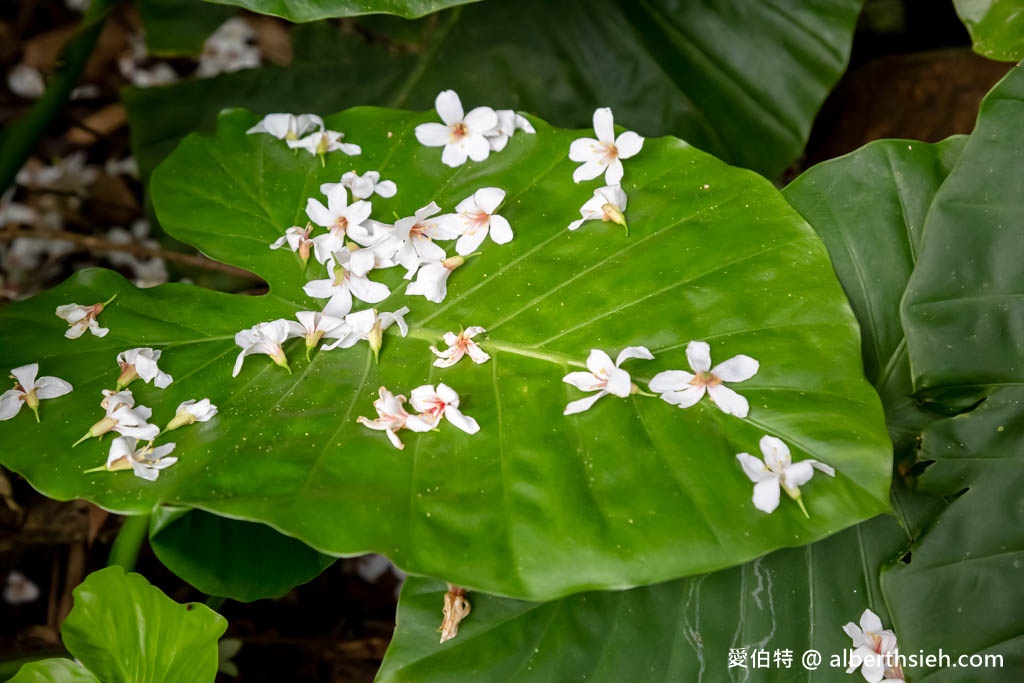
column 705, row 379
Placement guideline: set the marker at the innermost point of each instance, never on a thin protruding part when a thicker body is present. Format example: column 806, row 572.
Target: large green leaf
column 964, row 306
column 231, row 558
column 795, row 599
column 996, row 27
column 873, row 245
column 963, row 588
column 535, row 505
column 742, row 79
column 123, row 630
column 313, row 10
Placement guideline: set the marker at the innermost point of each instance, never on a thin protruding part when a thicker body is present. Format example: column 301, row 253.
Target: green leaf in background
column 795, row 599
column 742, row 79
column 964, row 585
column 964, row 306
column 996, row 27
column 873, row 245
column 54, row 671
column 179, row 27
column 715, row 253
column 231, row 558
column 123, row 630
column 313, row 10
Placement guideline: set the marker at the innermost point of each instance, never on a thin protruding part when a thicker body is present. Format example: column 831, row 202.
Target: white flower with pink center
column 778, row 472
column 441, row 403
column 605, row 154
column 392, row 416
column 461, row 135
column 460, row 345
column 604, row 377
column 474, row 219
column 684, row 389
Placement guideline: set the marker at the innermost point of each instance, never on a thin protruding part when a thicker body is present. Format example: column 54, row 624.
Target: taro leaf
column 964, row 306
column 742, row 79
column 231, row 558
column 869, row 207
column 314, row 10
column 54, row 671
column 179, row 27
column 963, row 589
column 996, row 27
column 536, row 505
column 794, row 599
column 123, row 630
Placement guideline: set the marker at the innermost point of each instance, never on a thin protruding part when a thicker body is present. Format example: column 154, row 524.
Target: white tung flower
column 778, row 471
column 263, row 338
column 392, row 416
column 82, row 318
column 475, row 218
column 323, row 141
column 432, row 279
column 604, row 154
column 146, row 462
column 141, row 363
column 875, row 649
column 604, row 377
column 314, row 326
column 348, row 271
column 287, row 126
column 410, row 241
column 368, row 325
column 508, row 123
column 364, row 186
column 190, row 412
column 29, row 390
column 443, row 402
column 461, row 135
column 297, row 239
column 684, row 389
column 123, row 417
column 460, row 345
column 339, row 217
column 607, row 204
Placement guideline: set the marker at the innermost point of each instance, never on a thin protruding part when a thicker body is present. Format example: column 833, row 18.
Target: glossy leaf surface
column 123, row 630
column 231, row 558
column 313, row 10
column 996, row 27
column 873, row 245
column 714, row 253
column 964, row 306
column 742, row 79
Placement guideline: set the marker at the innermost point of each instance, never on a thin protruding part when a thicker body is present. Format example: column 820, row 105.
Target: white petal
column 698, row 353
column 575, row 225
column 604, row 124
column 447, row 394
column 386, row 189
column 798, row 474
column 753, row 467
column 350, row 149
column 318, row 213
column 619, row 383
column 337, row 198
column 822, row 467
column 340, row 304
column 121, row 447
column 463, row 422
column 685, row 398
column 599, row 361
column 319, row 289
column 855, row 633
column 766, row 494
column 729, row 401
column 480, row 120
column 489, row 198
column 736, row 369
column 367, row 290
column 96, row 330
column 501, row 231
column 477, row 147
column 454, row 155
column 613, row 174
column 670, row 380
column 628, row 144
column 449, row 107
column 776, row 453
column 584, row 149
column 870, row 622
column 585, row 381
column 10, row 404
column 26, row 375
column 476, row 354
column 587, row 171
column 634, row 352
column 433, row 134
column 469, row 242
column 582, row 404
column 52, row 387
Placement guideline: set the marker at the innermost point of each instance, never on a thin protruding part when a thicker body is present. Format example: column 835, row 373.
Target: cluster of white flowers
column 875, row 650
column 307, row 132
column 604, row 155
column 433, row 404
column 474, row 135
column 685, row 389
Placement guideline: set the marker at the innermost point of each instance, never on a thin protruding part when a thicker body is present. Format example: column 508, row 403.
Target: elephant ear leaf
column 536, row 504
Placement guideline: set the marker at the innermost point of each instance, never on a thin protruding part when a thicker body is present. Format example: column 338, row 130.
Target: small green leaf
column 230, row 558
column 306, row 10
column 54, row 671
column 124, row 631
column 996, row 27
column 869, row 207
column 965, row 301
column 714, row 253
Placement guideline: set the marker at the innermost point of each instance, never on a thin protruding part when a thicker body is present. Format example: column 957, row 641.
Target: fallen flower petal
column 604, row 377
column 82, row 318
column 778, row 471
column 29, row 390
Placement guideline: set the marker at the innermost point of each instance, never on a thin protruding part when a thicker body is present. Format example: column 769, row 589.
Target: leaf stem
column 128, row 543
column 21, row 138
